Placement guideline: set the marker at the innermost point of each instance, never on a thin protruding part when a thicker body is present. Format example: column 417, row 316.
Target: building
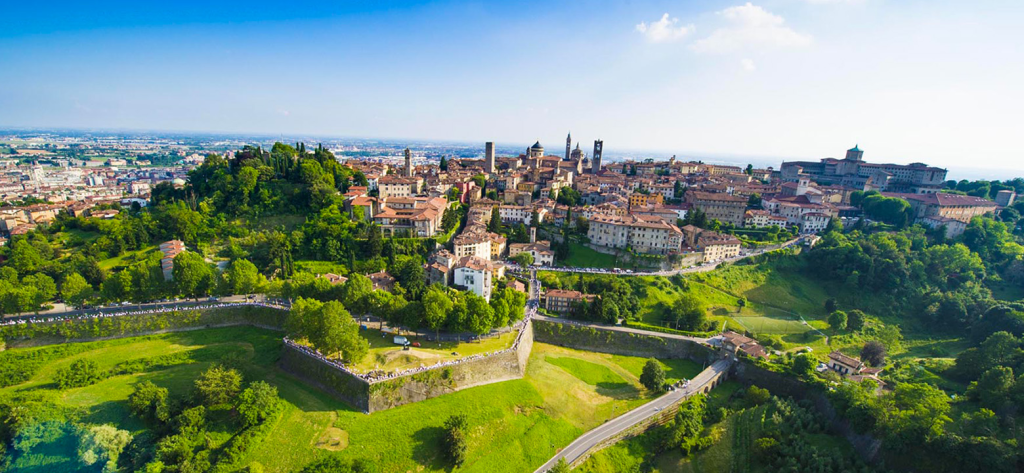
column 642, row 233
column 715, row 246
column 334, row 279
column 852, row 171
column 541, row 251
column 382, row 281
column 737, row 343
column 954, row 206
column 844, row 364
column 642, row 200
column 475, row 274
column 723, row 207
column 953, row 227
column 395, row 186
column 596, row 159
column 170, row 249
column 408, row 163
column 1005, row 198
column 418, row 216
column 489, row 157
column 762, row 219
column 472, row 243
column 562, row 301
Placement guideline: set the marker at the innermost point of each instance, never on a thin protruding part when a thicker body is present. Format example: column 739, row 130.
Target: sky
column 935, row 81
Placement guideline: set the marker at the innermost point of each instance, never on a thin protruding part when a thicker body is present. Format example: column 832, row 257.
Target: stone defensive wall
column 619, row 342
column 44, row 330
column 370, row 394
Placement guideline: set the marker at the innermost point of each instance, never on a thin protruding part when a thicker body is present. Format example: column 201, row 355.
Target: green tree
column 523, row 259
column 855, row 320
column 436, row 306
column 653, row 375
column 242, row 277
column 757, row 396
column 102, row 444
column 993, row 388
column 192, row 274
column 455, row 439
column 149, row 401
column 218, row 385
column 689, row 312
column 837, row 320
column 494, row 225
column 560, row 467
column 803, row 364
column 257, row 403
column 80, row 373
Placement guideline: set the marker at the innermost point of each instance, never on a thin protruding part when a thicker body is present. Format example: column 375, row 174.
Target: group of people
column 122, row 313
column 381, row 375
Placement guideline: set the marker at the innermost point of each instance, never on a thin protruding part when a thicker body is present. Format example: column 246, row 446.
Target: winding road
column 583, row 444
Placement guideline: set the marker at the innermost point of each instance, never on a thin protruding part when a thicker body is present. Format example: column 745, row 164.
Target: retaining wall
column 87, row 329
column 372, row 396
column 618, row 342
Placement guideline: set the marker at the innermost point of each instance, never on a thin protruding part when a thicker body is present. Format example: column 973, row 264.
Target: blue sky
column 933, row 81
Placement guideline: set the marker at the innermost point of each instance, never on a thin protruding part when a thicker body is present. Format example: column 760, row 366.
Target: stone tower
column 408, row 163
column 596, row 159
column 568, row 146
column 855, row 154
column 489, row 157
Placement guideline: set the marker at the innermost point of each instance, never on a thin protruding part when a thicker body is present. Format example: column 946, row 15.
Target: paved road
column 619, row 328
column 609, row 429
column 61, row 310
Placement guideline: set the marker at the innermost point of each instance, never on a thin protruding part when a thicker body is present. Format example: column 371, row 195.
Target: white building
column 475, row 274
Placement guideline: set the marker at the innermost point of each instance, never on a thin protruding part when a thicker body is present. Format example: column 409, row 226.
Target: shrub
column 257, row 403
column 758, row 396
column 653, row 375
column 218, row 385
column 149, row 401
column 455, row 439
column 80, row 373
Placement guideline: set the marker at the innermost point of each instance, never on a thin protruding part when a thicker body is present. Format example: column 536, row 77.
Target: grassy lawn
column 581, row 256
column 515, row 425
column 384, row 354
column 127, row 258
column 320, row 267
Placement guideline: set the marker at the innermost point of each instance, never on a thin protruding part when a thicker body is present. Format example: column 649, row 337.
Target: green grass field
column 384, row 354
column 515, row 425
column 127, row 258
column 581, row 256
column 320, row 267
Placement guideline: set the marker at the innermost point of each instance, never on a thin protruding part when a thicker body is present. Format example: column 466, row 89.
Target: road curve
column 613, row 427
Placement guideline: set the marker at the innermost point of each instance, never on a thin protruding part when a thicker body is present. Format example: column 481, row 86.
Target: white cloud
column 748, row 64
column 750, row 26
column 664, row 30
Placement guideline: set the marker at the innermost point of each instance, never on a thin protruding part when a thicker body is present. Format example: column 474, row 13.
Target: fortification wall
column 345, row 386
column 87, row 329
column 503, row 366
column 618, row 342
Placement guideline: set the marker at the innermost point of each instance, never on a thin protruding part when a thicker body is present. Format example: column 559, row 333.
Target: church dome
column 537, row 146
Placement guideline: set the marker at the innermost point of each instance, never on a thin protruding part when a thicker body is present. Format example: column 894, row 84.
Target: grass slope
column 515, row 425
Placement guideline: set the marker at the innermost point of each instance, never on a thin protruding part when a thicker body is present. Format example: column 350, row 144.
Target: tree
column 192, row 275
column 689, row 312
column 337, row 332
column 494, row 225
column 148, row 401
column 102, row 444
column 436, row 306
column 873, row 353
column 993, row 387
column 560, row 467
column 803, row 364
column 855, row 320
column 218, row 385
column 242, row 277
column 80, row 373
column 523, row 259
column 830, row 305
column 653, row 375
column 75, row 290
column 355, row 291
column 837, row 320
column 455, row 439
column 758, row 396
column 258, row 403
column 443, row 165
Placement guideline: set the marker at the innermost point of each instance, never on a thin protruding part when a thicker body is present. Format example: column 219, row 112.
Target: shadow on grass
column 616, row 390
column 428, row 444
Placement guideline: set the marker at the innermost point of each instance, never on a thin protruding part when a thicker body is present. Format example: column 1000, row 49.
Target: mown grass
column 127, row 258
column 581, row 256
column 320, row 267
column 514, row 426
column 384, row 354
